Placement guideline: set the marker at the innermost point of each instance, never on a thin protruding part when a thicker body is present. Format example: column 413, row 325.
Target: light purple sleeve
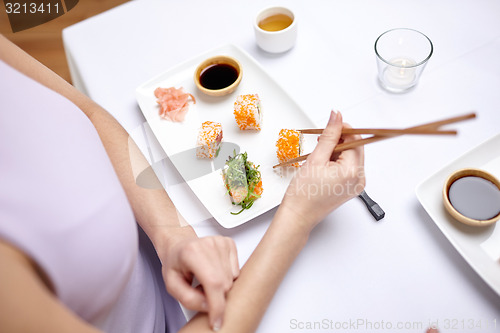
column 62, row 204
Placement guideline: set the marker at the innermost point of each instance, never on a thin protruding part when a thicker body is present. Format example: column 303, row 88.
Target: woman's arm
column 313, row 193
column 27, row 303
column 260, row 277
column 213, row 260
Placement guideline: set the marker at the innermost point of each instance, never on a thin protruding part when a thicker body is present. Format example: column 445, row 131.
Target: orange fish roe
column 258, row 189
column 288, row 145
column 247, row 112
column 209, row 139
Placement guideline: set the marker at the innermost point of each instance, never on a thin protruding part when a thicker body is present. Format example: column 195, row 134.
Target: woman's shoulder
column 61, row 202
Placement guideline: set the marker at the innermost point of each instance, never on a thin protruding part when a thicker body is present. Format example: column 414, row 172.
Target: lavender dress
column 61, row 203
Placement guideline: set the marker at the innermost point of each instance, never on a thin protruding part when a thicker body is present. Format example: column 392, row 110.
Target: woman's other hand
column 213, row 261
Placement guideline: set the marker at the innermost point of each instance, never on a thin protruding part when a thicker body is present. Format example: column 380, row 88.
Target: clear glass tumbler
column 401, row 57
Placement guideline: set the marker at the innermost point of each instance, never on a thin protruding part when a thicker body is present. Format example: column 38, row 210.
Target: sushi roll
column 248, row 112
column 289, row 145
column 209, row 140
column 242, row 180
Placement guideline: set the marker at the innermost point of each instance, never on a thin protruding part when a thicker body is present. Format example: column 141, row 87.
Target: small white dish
column 214, row 61
column 468, row 240
column 275, row 41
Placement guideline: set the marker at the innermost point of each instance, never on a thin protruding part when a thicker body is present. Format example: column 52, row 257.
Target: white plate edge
column 495, row 285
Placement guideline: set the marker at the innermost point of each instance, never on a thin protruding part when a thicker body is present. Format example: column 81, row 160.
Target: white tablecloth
column 400, row 273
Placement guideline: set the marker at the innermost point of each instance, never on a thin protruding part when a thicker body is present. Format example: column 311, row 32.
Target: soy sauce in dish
column 475, row 197
column 218, row 76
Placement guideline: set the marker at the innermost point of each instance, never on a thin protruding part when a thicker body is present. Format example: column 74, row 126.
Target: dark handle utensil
column 377, row 212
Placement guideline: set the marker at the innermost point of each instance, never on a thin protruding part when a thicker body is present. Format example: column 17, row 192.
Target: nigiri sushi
column 209, row 140
column 248, row 112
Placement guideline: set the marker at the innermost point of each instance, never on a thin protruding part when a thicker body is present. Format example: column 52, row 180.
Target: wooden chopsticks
column 383, row 132
column 429, row 128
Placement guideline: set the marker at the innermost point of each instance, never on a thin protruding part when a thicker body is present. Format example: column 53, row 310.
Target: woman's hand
column 326, row 180
column 213, row 261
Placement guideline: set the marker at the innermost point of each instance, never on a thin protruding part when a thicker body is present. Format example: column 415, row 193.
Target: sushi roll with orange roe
column 248, row 112
column 209, row 140
column 289, row 146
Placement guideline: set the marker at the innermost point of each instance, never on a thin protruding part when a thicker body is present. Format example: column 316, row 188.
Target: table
column 399, row 274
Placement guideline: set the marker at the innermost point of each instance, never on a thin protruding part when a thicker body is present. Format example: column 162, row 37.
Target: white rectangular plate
column 477, row 245
column 178, row 140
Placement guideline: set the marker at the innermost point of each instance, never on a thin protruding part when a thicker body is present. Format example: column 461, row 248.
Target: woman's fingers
column 353, row 154
column 214, row 263
column 217, row 281
column 327, row 140
column 215, row 287
column 180, row 289
column 215, row 291
column 352, row 162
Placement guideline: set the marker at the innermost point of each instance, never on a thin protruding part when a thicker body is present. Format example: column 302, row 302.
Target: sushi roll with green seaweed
column 242, row 180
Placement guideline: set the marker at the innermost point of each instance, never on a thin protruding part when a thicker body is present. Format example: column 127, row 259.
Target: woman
column 73, row 259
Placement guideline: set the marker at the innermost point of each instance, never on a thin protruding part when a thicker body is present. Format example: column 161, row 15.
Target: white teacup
column 275, row 29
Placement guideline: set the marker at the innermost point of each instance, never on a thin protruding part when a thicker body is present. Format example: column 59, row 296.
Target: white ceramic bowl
column 454, row 212
column 275, row 41
column 221, row 59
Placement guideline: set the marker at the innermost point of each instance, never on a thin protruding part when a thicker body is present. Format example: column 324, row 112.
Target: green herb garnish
column 242, row 180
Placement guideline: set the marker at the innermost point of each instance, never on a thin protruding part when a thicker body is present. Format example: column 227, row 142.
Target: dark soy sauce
column 475, row 197
column 218, row 76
